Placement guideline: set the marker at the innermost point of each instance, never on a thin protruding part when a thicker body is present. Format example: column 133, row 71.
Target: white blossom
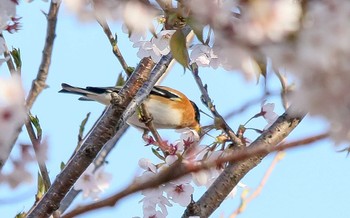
column 155, row 48
column 154, row 198
column 19, row 174
column 206, row 177
column 7, row 11
column 93, row 182
column 203, row 56
column 267, row 111
column 12, row 111
column 215, row 12
column 319, row 59
column 180, row 190
column 133, row 35
column 269, row 19
column 138, row 17
column 146, row 164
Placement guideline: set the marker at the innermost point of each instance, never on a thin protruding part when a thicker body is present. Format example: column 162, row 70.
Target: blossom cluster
column 19, row 172
column 320, row 63
column 7, row 13
column 12, row 116
column 301, row 39
column 12, row 111
column 179, row 191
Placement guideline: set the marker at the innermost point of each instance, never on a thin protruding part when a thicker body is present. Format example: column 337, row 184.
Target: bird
column 169, row 108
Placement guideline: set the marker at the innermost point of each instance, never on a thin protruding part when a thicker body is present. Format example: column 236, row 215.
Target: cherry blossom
column 12, row 111
column 93, row 182
column 203, row 56
column 7, row 11
column 206, row 177
column 130, row 12
column 319, row 61
column 19, row 175
column 269, row 115
column 155, row 48
column 180, row 190
column 269, row 19
column 214, row 12
column 133, row 35
column 154, row 198
column 133, row 13
column 147, row 165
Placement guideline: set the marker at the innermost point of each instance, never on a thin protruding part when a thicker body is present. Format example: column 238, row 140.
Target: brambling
column 169, row 108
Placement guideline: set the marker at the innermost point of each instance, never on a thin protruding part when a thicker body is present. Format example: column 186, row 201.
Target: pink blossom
column 269, row 115
column 180, row 190
column 20, row 174
column 269, row 20
column 7, row 11
column 93, row 182
column 154, row 198
column 156, row 47
column 133, row 13
column 146, row 164
column 12, row 111
column 203, row 56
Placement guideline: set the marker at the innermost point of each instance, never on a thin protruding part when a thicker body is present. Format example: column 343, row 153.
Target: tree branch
column 39, row 83
column 219, row 120
column 12, row 69
column 98, row 161
column 114, row 44
column 109, row 124
column 36, row 141
column 123, row 106
column 180, row 169
column 147, row 120
column 236, row 170
column 246, row 200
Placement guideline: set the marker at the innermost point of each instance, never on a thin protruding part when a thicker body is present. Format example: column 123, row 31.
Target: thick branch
column 99, row 160
column 39, row 83
column 107, row 127
column 235, row 171
column 180, row 169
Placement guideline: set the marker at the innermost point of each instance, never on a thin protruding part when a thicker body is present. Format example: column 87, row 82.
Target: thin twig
column 36, row 141
column 12, row 69
column 114, row 44
column 39, row 84
column 36, row 144
column 284, row 91
column 219, row 120
column 177, row 170
column 108, row 126
column 236, row 170
column 246, row 200
column 7, row 55
column 244, row 107
column 147, row 120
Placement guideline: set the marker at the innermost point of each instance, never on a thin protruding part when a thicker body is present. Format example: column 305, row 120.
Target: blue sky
column 309, row 182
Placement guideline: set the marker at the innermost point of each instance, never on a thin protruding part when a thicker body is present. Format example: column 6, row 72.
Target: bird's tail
column 73, row 90
column 99, row 94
